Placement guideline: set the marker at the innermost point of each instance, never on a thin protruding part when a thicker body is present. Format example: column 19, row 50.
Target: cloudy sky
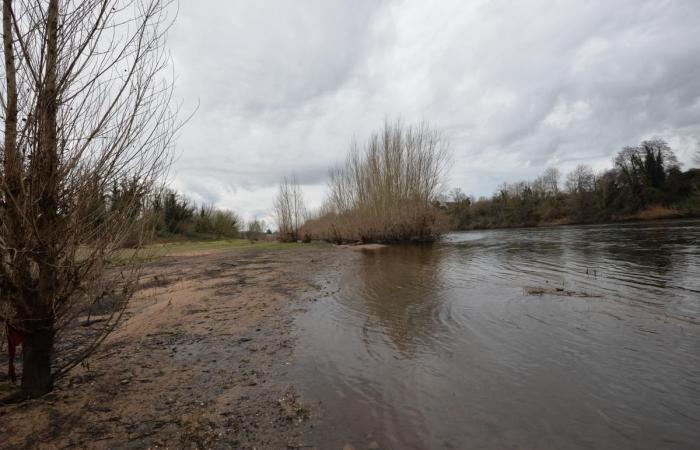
column 282, row 87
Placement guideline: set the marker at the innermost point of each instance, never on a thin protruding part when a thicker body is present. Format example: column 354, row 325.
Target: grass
column 179, row 248
column 183, row 248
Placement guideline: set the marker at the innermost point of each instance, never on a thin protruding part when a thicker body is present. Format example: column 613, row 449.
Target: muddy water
column 440, row 347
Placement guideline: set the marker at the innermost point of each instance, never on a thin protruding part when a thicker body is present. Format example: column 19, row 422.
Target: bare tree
column 550, row 179
column 255, row 229
column 457, row 195
column 290, row 209
column 580, row 180
column 85, row 106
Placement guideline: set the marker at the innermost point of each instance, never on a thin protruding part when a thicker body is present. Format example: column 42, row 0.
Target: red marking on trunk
column 14, row 338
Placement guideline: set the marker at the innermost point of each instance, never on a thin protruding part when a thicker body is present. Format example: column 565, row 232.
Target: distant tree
column 458, row 196
column 212, row 221
column 254, row 229
column 226, row 223
column 550, row 180
column 254, row 226
column 290, row 210
column 659, row 161
column 127, row 197
column 580, row 180
column 459, row 208
column 644, row 169
column 177, row 210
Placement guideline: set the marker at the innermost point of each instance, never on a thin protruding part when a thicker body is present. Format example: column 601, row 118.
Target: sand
column 199, row 361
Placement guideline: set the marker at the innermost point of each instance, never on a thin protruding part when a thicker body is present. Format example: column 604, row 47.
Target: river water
column 443, row 346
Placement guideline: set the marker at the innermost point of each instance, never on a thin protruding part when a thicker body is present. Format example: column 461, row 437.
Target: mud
column 200, row 361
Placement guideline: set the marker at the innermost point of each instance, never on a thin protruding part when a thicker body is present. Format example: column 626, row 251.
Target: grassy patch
column 179, row 248
column 183, row 248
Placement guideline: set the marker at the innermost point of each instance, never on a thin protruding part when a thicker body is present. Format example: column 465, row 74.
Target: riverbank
column 200, row 360
column 650, row 214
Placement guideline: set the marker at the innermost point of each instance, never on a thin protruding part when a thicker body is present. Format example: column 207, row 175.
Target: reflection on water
column 438, row 346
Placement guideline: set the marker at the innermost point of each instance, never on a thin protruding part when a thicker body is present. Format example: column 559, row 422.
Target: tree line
column 163, row 213
column 646, row 181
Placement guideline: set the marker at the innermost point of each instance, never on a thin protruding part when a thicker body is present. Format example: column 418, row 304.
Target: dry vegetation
column 386, row 191
column 84, row 108
column 290, row 210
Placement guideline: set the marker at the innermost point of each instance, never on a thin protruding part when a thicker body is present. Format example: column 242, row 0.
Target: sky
column 281, row 88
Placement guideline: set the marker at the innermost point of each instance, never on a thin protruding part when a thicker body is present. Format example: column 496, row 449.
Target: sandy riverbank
column 199, row 361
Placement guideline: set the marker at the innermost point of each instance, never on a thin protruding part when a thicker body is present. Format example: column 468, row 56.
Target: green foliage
column 644, row 170
column 460, row 208
column 176, row 211
column 166, row 213
column 216, row 222
column 174, row 214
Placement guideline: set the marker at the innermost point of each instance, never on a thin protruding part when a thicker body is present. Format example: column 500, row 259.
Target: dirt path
column 199, row 362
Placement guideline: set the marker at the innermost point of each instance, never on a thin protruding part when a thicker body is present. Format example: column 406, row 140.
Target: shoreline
column 200, row 360
column 642, row 216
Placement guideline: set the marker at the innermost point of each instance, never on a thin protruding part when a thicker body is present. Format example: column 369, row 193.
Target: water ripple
column 439, row 347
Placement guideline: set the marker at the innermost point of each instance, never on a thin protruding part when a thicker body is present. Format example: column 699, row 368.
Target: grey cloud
column 516, row 86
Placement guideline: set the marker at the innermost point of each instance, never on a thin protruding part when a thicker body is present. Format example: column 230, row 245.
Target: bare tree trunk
column 36, row 355
column 93, row 112
column 12, row 166
column 38, row 342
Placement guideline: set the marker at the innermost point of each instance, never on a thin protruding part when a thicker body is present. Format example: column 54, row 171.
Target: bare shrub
column 290, row 210
column 85, row 107
column 386, row 191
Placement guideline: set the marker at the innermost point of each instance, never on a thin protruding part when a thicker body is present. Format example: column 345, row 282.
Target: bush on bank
column 386, row 190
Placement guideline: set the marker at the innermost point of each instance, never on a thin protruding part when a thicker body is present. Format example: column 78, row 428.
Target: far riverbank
column 651, row 214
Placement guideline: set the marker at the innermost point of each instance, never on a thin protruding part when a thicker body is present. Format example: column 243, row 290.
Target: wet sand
column 200, row 361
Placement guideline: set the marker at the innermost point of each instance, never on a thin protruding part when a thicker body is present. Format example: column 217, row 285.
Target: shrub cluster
column 386, row 190
column 164, row 214
column 174, row 214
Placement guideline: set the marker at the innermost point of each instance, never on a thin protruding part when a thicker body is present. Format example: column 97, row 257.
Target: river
column 444, row 345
